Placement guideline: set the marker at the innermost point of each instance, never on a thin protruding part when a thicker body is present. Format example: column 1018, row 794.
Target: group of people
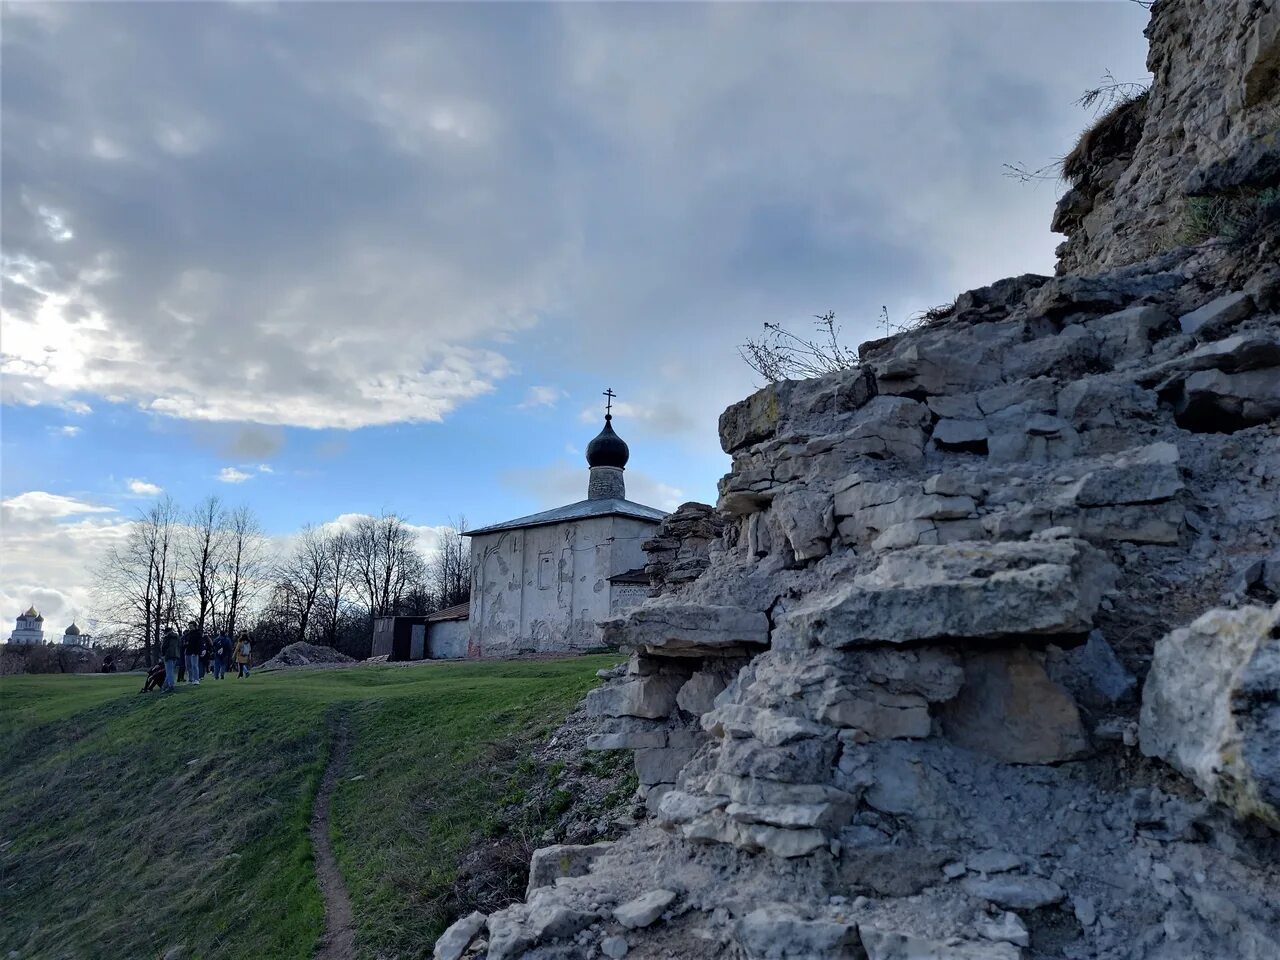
column 191, row 656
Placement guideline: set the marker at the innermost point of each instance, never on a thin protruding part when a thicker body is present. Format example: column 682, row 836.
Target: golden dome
column 33, row 612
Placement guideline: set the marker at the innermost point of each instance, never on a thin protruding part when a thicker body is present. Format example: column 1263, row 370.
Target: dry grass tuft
column 1115, row 134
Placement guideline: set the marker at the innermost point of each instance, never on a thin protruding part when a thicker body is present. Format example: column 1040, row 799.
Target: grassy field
column 130, row 824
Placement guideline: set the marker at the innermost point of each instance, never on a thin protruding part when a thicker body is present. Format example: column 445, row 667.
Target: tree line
column 213, row 565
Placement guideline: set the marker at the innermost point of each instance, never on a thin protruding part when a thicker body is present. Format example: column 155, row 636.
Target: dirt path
column 339, row 941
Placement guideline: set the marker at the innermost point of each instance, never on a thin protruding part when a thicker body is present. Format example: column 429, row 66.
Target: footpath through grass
column 130, row 824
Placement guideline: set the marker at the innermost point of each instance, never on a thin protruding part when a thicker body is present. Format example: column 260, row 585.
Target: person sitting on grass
column 155, row 677
column 244, row 651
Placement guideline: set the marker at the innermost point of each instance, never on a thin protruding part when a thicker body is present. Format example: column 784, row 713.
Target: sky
column 333, row 259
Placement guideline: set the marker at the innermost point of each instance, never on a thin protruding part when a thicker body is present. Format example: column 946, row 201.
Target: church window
column 544, row 571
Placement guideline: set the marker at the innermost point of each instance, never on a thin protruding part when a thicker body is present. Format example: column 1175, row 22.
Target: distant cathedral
column 29, row 631
column 540, row 583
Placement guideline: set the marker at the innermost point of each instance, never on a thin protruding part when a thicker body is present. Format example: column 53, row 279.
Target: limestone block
column 805, row 761
column 749, row 790
column 562, row 860
column 791, row 815
column 660, row 764
column 1141, row 482
column 687, row 628
column 880, row 715
column 1244, row 351
column 1130, row 523
column 892, row 945
column 958, row 591
column 1015, row 892
column 1008, row 927
column 454, row 941
column 777, row 931
column 1009, row 709
column 628, row 739
column 754, row 419
column 808, row 521
column 1071, row 353
column 1217, row 315
column 961, row 435
column 1248, row 397
column 677, row 806
column 1128, row 334
column 651, row 696
column 1211, row 707
column 699, row 692
column 556, row 921
column 644, row 909
column 781, row 842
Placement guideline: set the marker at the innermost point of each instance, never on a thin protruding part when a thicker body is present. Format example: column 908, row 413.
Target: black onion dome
column 607, row 449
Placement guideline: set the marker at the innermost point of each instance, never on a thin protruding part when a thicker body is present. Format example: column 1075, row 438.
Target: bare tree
column 301, row 578
column 340, row 559
column 202, row 553
column 449, row 574
column 387, row 563
column 135, row 582
column 241, row 573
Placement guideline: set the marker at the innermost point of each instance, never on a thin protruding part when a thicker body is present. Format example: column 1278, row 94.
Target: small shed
column 448, row 631
column 437, row 636
column 400, row 638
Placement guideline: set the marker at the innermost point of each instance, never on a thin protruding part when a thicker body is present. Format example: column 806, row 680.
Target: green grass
column 130, row 824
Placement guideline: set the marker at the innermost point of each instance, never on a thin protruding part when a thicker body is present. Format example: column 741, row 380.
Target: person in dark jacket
column 192, row 642
column 221, row 655
column 155, row 677
column 206, row 655
column 171, row 650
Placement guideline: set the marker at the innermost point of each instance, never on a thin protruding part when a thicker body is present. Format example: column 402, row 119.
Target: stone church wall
column 543, row 589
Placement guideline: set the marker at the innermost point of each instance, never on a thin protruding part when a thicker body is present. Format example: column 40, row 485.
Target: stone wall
column 1211, row 127
column 985, row 661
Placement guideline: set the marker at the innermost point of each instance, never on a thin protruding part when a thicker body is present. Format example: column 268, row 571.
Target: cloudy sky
column 328, row 259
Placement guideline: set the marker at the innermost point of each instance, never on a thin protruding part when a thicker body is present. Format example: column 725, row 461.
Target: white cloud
column 563, row 483
column 38, row 505
column 265, row 468
column 142, row 488
column 52, row 544
column 541, row 396
column 66, row 430
column 232, row 475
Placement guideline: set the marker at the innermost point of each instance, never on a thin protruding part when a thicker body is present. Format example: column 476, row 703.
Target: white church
column 29, row 632
column 539, row 584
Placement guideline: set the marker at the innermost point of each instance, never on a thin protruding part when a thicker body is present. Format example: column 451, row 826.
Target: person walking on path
column 171, row 650
column 192, row 641
column 244, row 651
column 221, row 655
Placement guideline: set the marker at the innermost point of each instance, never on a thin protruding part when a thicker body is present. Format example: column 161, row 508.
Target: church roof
column 72, row 631
column 608, row 507
column 33, row 612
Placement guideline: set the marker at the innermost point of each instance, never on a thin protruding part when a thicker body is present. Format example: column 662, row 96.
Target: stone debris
column 886, row 699
column 453, row 942
column 644, row 910
column 302, row 654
